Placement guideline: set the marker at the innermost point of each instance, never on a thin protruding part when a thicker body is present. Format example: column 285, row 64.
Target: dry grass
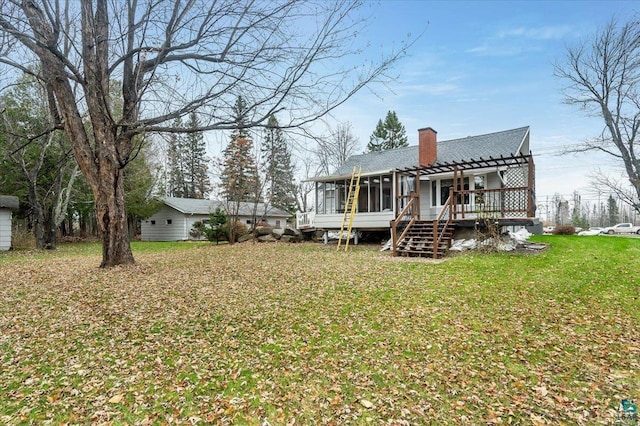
column 284, row 334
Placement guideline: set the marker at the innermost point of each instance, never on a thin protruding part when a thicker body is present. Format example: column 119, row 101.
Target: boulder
column 291, row 231
column 291, row 239
column 267, row 239
column 245, row 237
column 262, row 230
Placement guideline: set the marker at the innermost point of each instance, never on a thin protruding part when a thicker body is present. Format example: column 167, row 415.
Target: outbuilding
column 173, row 222
column 7, row 203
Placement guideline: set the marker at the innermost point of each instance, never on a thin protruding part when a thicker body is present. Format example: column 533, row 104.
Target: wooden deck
column 508, row 206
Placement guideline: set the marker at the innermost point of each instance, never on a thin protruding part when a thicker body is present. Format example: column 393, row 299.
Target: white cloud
column 540, row 33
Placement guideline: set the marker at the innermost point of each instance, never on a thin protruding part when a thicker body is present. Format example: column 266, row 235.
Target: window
column 387, row 204
column 153, row 222
column 341, row 195
column 169, row 221
column 248, row 221
column 479, row 185
column 330, row 197
column 440, row 191
column 320, row 197
column 374, row 194
column 363, row 196
column 277, row 224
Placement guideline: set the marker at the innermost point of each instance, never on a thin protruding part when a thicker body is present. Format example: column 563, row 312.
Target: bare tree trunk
column 111, row 215
column 37, row 215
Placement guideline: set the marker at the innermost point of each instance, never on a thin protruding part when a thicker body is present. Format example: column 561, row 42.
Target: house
column 7, row 203
column 456, row 183
column 173, row 222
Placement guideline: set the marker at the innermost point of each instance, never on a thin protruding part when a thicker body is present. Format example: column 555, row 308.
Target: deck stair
column 419, row 240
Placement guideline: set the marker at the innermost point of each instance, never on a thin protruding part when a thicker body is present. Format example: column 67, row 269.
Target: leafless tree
column 304, row 186
column 602, row 77
column 173, row 58
column 334, row 150
column 618, row 187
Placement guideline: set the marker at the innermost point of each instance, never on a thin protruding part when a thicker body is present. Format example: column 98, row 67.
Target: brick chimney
column 427, row 146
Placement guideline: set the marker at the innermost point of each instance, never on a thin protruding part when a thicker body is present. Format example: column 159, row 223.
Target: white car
column 591, row 231
column 622, row 228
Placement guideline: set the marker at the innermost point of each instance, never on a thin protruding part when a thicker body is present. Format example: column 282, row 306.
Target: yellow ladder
column 350, row 207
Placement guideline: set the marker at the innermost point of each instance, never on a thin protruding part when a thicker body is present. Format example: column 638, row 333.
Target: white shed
column 7, row 202
column 174, row 220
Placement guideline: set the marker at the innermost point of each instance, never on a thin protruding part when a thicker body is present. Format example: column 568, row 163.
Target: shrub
column 197, row 230
column 239, row 229
column 564, row 230
column 22, row 239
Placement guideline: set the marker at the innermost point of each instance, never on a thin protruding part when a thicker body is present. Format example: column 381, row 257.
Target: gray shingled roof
column 505, row 143
column 9, row 202
column 204, row 207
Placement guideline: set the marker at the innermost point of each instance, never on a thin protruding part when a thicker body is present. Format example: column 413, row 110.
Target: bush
column 22, row 239
column 239, row 229
column 564, row 230
column 198, row 230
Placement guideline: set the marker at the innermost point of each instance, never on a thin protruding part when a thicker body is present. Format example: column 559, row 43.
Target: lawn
column 273, row 334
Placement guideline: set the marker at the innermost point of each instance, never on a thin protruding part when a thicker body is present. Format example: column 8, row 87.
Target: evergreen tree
column 276, row 156
column 239, row 180
column 239, row 171
column 378, row 138
column 389, row 134
column 176, row 163
column 240, row 118
column 188, row 172
column 612, row 210
column 195, row 153
column 139, row 190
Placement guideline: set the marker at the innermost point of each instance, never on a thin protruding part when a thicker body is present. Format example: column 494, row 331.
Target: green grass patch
column 243, row 334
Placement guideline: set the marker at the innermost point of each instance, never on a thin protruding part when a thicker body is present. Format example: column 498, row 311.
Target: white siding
column 360, row 221
column 5, row 229
column 156, row 227
column 181, row 224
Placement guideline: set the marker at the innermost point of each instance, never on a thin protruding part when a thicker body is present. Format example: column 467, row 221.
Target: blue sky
column 482, row 67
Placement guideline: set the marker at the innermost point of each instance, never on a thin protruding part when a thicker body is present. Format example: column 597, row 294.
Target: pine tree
column 176, row 163
column 279, row 179
column 378, row 138
column 612, row 210
column 389, row 134
column 188, row 172
column 197, row 171
column 239, row 179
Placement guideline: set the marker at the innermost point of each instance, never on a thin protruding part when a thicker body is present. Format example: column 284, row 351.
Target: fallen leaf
column 366, row 404
column 116, row 399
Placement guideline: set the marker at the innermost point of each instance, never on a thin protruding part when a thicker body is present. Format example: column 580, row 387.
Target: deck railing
column 465, row 204
column 493, row 203
column 401, row 224
column 305, row 220
column 445, row 212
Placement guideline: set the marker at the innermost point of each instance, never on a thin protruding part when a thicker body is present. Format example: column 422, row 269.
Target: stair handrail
column 407, row 210
column 436, row 223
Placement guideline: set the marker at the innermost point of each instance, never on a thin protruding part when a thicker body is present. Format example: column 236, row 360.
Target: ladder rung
column 350, row 207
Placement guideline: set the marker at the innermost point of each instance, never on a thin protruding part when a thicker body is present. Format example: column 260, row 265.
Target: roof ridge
column 486, row 134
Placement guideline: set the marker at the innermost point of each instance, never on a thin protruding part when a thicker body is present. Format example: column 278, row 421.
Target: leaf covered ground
column 274, row 334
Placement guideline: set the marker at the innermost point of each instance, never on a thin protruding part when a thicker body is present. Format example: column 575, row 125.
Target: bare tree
column 173, row 58
column 304, row 186
column 333, row 151
column 602, row 77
